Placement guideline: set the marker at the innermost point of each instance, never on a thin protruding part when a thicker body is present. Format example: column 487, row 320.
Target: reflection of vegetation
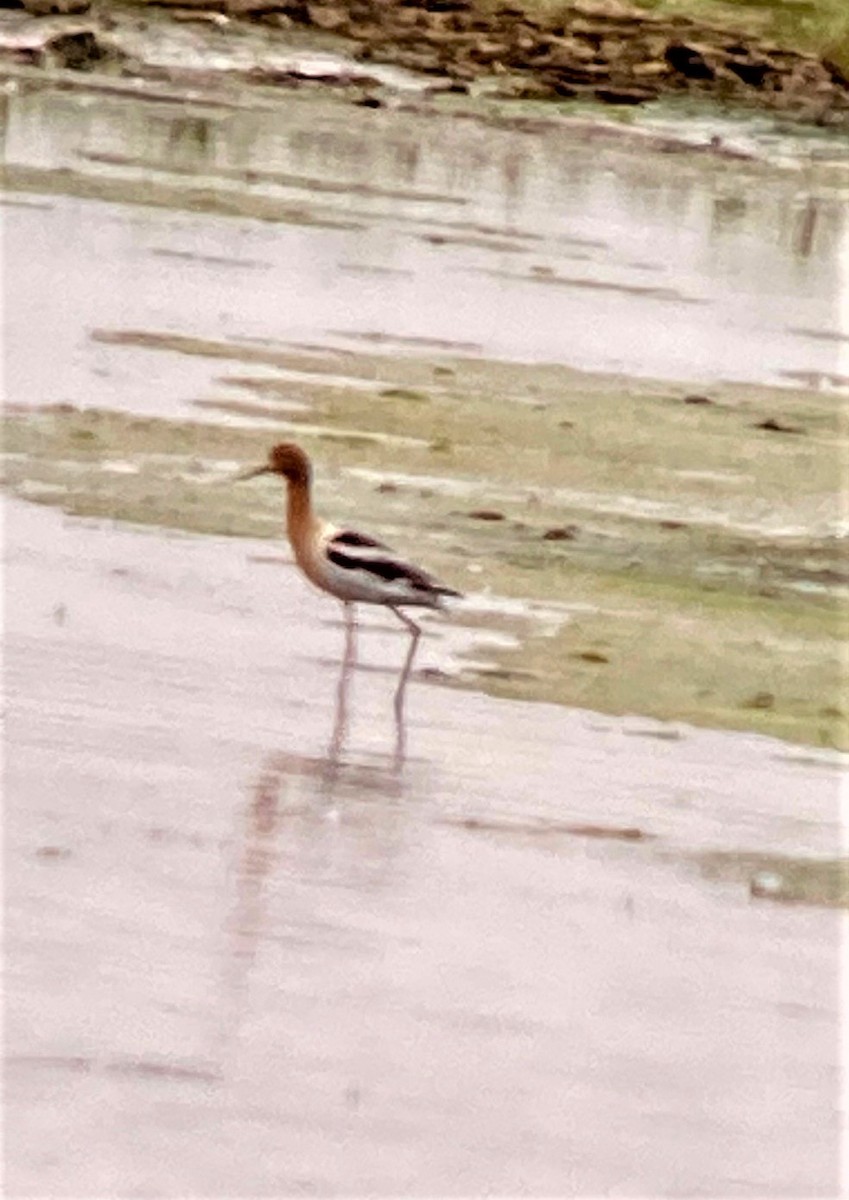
column 190, row 139
column 182, row 191
column 728, row 211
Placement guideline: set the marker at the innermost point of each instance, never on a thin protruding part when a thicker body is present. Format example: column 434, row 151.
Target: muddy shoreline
column 613, row 55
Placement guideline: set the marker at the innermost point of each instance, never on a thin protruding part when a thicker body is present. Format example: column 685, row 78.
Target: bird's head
column 285, row 459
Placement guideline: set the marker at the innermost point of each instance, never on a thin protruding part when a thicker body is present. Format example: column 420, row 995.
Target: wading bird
column 351, row 566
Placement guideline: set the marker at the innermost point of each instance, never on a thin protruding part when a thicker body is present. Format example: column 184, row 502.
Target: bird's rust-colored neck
column 301, row 521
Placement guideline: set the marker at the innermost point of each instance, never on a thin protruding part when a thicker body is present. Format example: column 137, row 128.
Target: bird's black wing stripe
column 350, row 537
column 383, row 568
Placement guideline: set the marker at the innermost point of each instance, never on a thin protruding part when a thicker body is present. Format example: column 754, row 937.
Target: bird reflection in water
column 307, row 819
column 341, row 720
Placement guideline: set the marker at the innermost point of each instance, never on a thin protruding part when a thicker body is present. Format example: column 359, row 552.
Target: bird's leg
column 340, row 726
column 416, row 633
column 400, row 742
column 350, row 634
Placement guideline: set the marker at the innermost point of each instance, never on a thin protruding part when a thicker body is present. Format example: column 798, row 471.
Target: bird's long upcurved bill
column 251, row 473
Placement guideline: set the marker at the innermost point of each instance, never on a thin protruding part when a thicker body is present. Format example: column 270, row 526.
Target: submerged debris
column 775, row 426
column 486, row 514
column 561, row 533
column 592, row 656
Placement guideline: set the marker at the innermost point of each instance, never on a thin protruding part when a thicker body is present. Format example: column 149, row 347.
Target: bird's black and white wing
column 360, row 568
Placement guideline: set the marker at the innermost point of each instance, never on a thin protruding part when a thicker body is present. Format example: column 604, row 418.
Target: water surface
column 240, row 964
column 429, row 231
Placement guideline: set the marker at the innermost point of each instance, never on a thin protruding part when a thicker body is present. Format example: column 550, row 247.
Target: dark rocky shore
column 607, row 51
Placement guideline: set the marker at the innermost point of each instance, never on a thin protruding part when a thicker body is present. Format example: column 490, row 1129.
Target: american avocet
column 351, row 566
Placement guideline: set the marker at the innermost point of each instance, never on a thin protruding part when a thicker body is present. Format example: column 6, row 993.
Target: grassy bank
column 818, row 27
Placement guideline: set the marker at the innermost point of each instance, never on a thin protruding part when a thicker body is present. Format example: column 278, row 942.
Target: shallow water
column 547, row 247
column 255, row 950
column 242, row 963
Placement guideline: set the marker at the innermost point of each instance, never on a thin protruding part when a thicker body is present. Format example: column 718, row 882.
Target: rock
column 327, row 17
column 653, row 69
column 45, row 8
column 752, row 71
column 550, row 87
column 581, row 73
column 425, row 61
column 562, row 52
column 698, row 399
column 486, row 514
column 688, row 61
column 198, row 16
column 528, row 89
column 79, row 51
column 486, row 51
column 836, row 74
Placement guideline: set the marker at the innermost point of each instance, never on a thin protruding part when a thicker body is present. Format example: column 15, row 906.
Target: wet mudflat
column 243, row 964
column 255, row 949
column 656, row 540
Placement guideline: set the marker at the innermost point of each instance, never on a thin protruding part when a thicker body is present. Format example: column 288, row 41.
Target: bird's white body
column 359, row 570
